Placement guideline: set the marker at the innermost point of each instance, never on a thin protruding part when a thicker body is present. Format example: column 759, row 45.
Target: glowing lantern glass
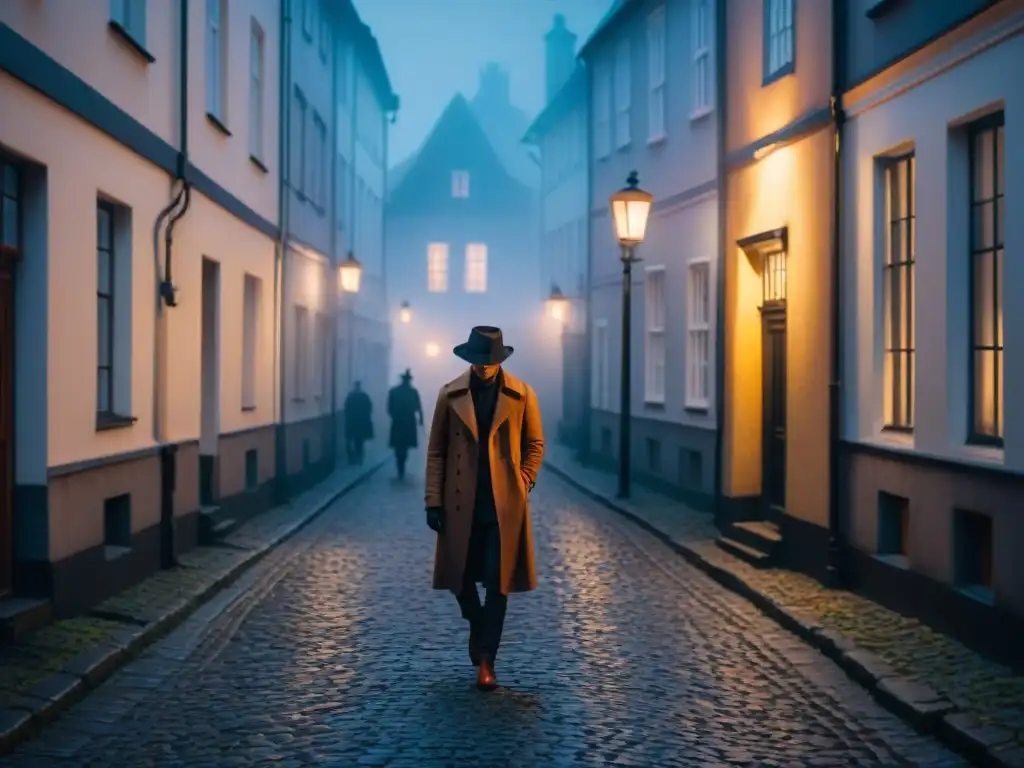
column 630, row 207
column 558, row 305
column 433, row 350
column 405, row 313
column 349, row 273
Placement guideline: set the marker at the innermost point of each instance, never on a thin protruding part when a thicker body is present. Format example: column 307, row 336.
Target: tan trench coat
column 516, row 454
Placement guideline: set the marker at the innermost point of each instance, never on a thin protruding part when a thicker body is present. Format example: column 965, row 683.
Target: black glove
column 435, row 519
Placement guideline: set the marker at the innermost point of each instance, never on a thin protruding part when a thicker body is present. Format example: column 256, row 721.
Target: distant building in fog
column 652, row 109
column 560, row 133
column 462, row 246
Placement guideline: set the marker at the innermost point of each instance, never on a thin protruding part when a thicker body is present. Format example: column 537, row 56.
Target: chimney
column 493, row 90
column 560, row 59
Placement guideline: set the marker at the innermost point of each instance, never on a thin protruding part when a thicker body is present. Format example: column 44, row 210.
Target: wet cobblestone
column 334, row 651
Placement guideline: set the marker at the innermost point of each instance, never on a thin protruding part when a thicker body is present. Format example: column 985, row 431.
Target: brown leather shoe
column 485, row 679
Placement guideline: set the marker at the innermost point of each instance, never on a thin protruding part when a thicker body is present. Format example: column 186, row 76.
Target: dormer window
column 460, row 184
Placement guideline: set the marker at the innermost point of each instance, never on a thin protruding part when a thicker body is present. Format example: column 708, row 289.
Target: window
column 216, row 58
column 326, row 349
column 320, row 357
column 325, row 37
column 256, row 77
column 476, row 268
column 653, row 455
column 341, row 200
column 622, row 94
column 778, row 38
column 698, row 334
column 437, row 267
column 117, row 522
column 460, row 184
column 301, row 353
column 893, row 524
column 599, row 392
column 602, row 110
column 308, row 18
column 701, row 56
column 898, row 292
column 317, row 178
column 987, row 216
column 10, row 219
column 252, row 469
column 654, row 341
column 773, row 276
column 130, row 16
column 252, row 289
column 105, row 308
column 656, row 74
column 298, row 142
column 973, row 552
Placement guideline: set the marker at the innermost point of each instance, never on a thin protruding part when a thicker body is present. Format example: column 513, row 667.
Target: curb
column 924, row 709
column 53, row 695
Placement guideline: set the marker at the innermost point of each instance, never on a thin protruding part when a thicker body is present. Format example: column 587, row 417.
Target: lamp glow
column 630, row 207
column 350, row 271
column 433, row 350
column 405, row 313
column 558, row 305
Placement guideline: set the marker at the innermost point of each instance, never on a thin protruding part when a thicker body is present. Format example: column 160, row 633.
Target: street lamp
column 405, row 313
column 558, row 304
column 630, row 207
column 432, row 349
column 349, row 273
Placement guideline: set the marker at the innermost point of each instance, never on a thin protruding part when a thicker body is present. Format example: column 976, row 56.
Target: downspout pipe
column 721, row 99
column 331, row 292
column 583, row 451
column 164, row 300
column 281, row 251
column 835, row 573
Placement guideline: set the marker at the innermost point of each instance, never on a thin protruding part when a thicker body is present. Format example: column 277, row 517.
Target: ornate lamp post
column 350, row 273
column 630, row 207
column 558, row 304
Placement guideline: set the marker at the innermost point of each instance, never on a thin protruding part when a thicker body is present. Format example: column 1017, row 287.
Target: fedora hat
column 407, row 375
column 484, row 347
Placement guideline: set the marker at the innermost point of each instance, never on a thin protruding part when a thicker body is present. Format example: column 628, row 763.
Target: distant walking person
column 404, row 408
column 485, row 449
column 358, row 422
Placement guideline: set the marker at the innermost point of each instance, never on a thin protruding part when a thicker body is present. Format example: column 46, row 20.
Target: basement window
column 893, row 529
column 117, row 525
column 252, row 470
column 972, row 534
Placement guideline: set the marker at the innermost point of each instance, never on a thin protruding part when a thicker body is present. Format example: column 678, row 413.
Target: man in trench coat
column 485, row 449
column 404, row 408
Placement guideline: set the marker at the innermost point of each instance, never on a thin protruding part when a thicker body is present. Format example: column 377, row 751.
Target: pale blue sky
column 434, row 48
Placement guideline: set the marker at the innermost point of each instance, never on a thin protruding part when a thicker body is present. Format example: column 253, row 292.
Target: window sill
column 978, row 593
column 784, row 71
column 896, row 561
column 129, row 38
column 108, row 421
column 656, row 139
column 654, row 403
column 697, row 409
column 701, row 113
column 624, row 147
column 113, row 551
column 215, row 121
column 298, row 399
column 248, row 408
column 258, row 163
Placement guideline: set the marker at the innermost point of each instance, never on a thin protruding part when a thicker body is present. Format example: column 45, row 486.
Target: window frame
column 698, row 334
column 257, row 78
column 603, row 111
column 10, row 200
column 250, row 338
column 898, row 384
column 994, row 123
column 784, row 67
column 460, row 190
column 623, row 93
column 600, row 390
column 308, row 18
column 299, row 173
column 130, row 19
column 657, row 50
column 109, row 299
column 441, row 249
column 475, row 274
column 302, row 340
column 703, row 96
column 655, row 326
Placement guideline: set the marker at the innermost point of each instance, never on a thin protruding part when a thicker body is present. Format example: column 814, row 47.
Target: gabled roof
column 607, row 23
column 458, row 119
column 572, row 92
column 503, row 132
column 368, row 50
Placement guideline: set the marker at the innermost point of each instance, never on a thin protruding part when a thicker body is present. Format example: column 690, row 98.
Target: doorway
column 10, row 240
column 210, row 397
column 773, row 385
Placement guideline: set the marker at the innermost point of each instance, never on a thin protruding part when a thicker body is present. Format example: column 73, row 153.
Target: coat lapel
column 462, row 403
column 512, row 392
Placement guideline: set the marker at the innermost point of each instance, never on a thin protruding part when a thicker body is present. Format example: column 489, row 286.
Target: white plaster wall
column 77, row 35
column 312, row 283
column 225, row 159
column 82, row 162
column 925, row 117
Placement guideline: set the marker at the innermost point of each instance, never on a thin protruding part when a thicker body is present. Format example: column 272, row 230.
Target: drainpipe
column 583, row 452
column 165, row 300
column 332, row 281
column 280, row 252
column 351, row 302
column 384, row 230
column 721, row 105
column 834, row 568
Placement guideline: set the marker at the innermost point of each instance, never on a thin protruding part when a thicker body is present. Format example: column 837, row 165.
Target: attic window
column 460, row 183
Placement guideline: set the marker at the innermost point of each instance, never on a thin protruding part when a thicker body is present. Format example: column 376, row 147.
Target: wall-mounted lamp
column 349, row 273
column 432, row 349
column 405, row 313
column 558, row 304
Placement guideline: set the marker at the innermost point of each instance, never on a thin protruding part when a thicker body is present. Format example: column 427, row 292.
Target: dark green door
column 773, row 382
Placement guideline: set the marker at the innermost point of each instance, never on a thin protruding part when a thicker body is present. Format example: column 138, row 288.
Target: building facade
column 933, row 439
column 560, row 134
column 462, row 245
column 138, row 154
column 651, row 88
column 777, row 257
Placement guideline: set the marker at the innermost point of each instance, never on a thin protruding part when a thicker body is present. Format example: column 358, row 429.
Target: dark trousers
column 487, row 619
column 401, row 455
column 355, row 450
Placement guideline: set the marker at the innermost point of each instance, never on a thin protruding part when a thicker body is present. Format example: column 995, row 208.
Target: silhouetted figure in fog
column 405, row 410
column 485, row 449
column 358, row 422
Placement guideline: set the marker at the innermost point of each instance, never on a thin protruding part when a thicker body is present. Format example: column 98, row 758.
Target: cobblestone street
column 333, row 650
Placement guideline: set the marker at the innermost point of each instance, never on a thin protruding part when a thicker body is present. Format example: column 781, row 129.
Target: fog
column 463, row 215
